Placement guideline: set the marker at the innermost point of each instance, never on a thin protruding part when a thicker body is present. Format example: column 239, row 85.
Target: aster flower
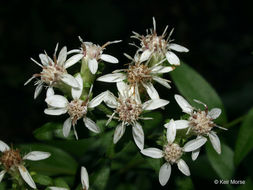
column 158, row 46
column 201, row 124
column 93, row 53
column 12, row 161
column 77, row 108
column 84, row 181
column 54, row 72
column 128, row 109
column 172, row 154
column 139, row 74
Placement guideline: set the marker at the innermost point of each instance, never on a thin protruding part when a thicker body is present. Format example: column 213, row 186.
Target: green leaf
column 50, row 130
column 43, row 180
column 59, row 182
column 184, row 183
column 100, row 178
column 58, row 163
column 193, row 86
column 222, row 163
column 244, row 143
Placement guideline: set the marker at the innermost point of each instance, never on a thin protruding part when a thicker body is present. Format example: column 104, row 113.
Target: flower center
column 128, row 110
column 10, row 158
column 201, row 123
column 77, row 109
column 154, row 43
column 91, row 51
column 51, row 73
column 138, row 73
column 172, row 152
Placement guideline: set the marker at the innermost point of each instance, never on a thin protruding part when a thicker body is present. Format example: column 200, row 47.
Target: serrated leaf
column 59, row 163
column 192, row 85
column 222, row 163
column 244, row 143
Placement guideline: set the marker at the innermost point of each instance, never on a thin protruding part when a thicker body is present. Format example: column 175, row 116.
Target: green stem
column 234, row 122
column 87, row 76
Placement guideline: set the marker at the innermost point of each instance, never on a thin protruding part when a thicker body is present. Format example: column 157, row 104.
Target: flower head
column 76, row 108
column 128, row 110
column 201, row 124
column 158, row 46
column 139, row 74
column 54, row 71
column 12, row 161
column 172, row 153
column 93, row 53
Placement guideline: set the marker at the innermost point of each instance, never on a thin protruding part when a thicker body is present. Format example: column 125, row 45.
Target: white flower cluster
column 136, row 96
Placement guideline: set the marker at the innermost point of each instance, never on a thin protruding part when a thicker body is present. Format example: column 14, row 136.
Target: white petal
column 183, row 167
column 57, row 101
column 66, row 127
column 171, row 131
column 45, row 60
column 110, row 100
column 38, row 90
column 36, row 155
column 138, row 135
column 215, row 141
column 145, row 55
column 93, row 65
column 161, row 69
column 162, row 81
column 3, row 146
column 84, row 178
column 195, row 154
column 57, row 188
column 74, row 51
column 154, row 104
column 97, row 100
column 194, row 144
column 123, row 88
column 109, row 58
column 119, row 132
column 91, row 125
column 2, row 175
column 214, row 113
column 29, row 80
column 55, row 111
column 72, row 60
column 164, row 173
column 62, row 56
column 182, row 124
column 186, row 107
column 172, row 58
column 115, row 77
column 50, row 91
column 178, row 48
column 152, row 152
column 26, row 176
column 77, row 92
column 69, row 80
column 153, row 94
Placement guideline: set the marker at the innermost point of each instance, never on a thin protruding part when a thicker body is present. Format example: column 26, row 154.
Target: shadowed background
column 218, row 34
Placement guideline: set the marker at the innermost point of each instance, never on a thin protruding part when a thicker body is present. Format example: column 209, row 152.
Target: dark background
column 218, row 34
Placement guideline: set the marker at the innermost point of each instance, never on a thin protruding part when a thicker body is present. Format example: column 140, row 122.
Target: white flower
column 12, row 161
column 171, row 152
column 139, row 74
column 93, row 53
column 129, row 108
column 84, row 181
column 54, row 71
column 200, row 123
column 76, row 109
column 158, row 46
